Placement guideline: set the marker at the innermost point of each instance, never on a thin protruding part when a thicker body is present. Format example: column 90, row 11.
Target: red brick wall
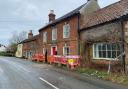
column 72, row 41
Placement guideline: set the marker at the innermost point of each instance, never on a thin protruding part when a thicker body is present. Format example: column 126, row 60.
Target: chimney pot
column 51, row 11
column 51, row 16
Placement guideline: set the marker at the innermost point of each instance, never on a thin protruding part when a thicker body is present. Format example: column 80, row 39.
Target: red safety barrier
column 64, row 60
column 57, row 59
column 34, row 57
column 71, row 61
column 41, row 58
column 38, row 57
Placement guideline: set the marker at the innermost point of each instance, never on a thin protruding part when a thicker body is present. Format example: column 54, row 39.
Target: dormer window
column 66, row 30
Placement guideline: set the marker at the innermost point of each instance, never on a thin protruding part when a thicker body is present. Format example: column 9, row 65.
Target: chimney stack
column 51, row 16
column 30, row 34
column 90, row 0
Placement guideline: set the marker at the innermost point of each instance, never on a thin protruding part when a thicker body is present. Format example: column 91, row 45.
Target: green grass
column 113, row 77
column 93, row 72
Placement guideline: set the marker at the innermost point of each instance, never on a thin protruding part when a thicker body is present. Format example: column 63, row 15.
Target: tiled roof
column 31, row 39
column 76, row 11
column 109, row 13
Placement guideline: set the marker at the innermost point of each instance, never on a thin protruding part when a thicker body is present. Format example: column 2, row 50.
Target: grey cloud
column 32, row 14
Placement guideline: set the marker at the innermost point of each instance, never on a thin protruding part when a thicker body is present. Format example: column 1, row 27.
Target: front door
column 54, row 50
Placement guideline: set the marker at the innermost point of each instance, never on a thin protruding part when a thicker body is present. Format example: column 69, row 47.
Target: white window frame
column 45, row 37
column 66, row 30
column 94, row 57
column 54, row 33
column 44, row 51
column 64, row 50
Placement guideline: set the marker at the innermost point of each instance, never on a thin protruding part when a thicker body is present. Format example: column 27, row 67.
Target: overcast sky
column 19, row 15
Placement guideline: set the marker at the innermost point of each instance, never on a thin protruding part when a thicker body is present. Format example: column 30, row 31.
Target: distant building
column 19, row 52
column 30, row 45
column 2, row 49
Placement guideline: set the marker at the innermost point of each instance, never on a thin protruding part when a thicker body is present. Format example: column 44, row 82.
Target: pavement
column 18, row 73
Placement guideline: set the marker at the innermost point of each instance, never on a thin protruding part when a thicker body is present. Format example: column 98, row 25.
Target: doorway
column 54, row 50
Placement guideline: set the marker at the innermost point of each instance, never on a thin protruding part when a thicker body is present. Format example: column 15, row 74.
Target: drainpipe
column 78, row 34
column 123, row 41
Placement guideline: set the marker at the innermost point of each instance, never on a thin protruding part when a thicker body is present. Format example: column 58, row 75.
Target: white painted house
column 2, row 49
column 19, row 50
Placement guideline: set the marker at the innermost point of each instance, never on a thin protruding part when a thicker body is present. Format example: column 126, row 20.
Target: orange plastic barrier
column 51, row 59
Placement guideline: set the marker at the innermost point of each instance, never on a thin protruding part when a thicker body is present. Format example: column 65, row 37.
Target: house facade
column 104, row 35
column 30, row 46
column 97, row 35
column 60, row 36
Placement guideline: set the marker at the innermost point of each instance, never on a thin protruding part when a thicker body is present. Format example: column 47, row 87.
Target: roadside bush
column 9, row 54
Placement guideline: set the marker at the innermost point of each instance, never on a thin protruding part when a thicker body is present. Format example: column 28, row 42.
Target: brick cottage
column 98, row 35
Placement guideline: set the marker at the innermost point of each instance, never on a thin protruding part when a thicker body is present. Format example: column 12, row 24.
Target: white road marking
column 48, row 83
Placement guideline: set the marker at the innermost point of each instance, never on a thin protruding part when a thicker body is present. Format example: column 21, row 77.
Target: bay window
column 106, row 50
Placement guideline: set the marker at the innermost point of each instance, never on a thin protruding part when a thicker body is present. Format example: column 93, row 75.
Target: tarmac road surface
column 21, row 74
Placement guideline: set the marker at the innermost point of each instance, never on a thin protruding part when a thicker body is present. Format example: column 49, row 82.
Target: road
column 21, row 74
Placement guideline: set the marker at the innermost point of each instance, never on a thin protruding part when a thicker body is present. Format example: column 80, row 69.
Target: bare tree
column 15, row 39
column 18, row 37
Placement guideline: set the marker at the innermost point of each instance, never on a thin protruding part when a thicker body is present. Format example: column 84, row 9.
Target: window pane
column 104, row 47
column 109, row 47
column 118, row 47
column 99, row 47
column 96, row 54
column 100, row 54
column 109, row 54
column 113, row 54
column 118, row 53
column 104, row 54
column 67, row 51
column 113, row 46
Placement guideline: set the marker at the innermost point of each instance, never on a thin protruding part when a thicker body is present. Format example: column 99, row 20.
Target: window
column 45, row 37
column 66, row 50
column 54, row 33
column 66, row 31
column 44, row 51
column 106, row 50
